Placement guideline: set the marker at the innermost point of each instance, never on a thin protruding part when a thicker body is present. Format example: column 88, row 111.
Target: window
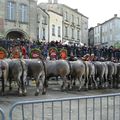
column 59, row 31
column 44, row 20
column 110, row 37
column 78, row 34
column 11, row 12
column 23, row 15
column 78, row 21
column 53, row 30
column 66, row 31
column 43, row 33
column 66, row 15
column 38, row 34
column 110, row 25
column 72, row 33
column 103, row 40
column 72, row 18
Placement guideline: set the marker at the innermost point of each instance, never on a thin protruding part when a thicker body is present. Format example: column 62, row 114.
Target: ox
column 4, row 68
column 16, row 71
column 101, row 72
column 112, row 71
column 77, row 72
column 36, row 69
column 58, row 68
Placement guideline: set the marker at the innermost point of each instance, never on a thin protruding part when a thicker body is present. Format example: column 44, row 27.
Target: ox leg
column 70, row 85
column 44, row 85
column 90, row 84
column 117, row 81
column 37, row 88
column 81, row 83
column 86, row 83
column 24, row 84
column 10, row 82
column 111, row 81
column 63, row 87
column 114, row 81
column 19, row 82
column 105, row 82
column 95, row 82
column 3, row 85
column 101, row 79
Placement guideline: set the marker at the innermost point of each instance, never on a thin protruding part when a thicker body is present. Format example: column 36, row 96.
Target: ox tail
column 45, row 71
column 21, row 63
column 86, row 72
column 69, row 75
column 69, row 66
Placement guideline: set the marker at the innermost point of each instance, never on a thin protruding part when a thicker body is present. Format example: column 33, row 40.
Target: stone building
column 97, row 34
column 74, row 24
column 55, row 26
column 108, row 32
column 18, row 19
column 91, row 36
column 111, row 31
column 43, row 25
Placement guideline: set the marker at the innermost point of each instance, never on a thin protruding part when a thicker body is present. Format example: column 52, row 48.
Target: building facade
column 55, row 26
column 74, row 24
column 111, row 31
column 43, row 25
column 91, row 36
column 107, row 33
column 18, row 19
column 97, row 34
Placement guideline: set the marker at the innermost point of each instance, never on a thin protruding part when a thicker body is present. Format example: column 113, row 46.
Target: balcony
column 44, row 23
column 66, row 22
column 73, row 24
column 78, row 26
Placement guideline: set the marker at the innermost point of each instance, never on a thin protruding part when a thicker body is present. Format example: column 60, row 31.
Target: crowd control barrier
column 99, row 107
column 2, row 115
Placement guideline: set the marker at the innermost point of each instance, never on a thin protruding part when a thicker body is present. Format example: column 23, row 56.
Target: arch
column 16, row 33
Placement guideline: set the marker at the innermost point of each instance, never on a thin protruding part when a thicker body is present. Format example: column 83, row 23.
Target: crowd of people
column 73, row 51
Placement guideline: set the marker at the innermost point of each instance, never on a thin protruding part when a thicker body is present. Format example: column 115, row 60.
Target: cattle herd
column 87, row 74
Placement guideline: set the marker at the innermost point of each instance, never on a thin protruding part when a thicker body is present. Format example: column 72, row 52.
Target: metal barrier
column 99, row 107
column 2, row 115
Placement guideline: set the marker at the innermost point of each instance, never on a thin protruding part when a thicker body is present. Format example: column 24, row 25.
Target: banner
column 63, row 53
column 53, row 53
column 35, row 53
column 3, row 53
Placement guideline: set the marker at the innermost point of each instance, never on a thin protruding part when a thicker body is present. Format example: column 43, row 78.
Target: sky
column 98, row 11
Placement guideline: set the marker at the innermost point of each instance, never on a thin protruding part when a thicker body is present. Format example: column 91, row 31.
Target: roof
column 110, row 20
column 55, row 12
column 43, row 10
column 74, row 10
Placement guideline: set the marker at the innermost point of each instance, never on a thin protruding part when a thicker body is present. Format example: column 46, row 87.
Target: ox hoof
column 24, row 94
column 62, row 90
column 43, row 93
column 20, row 95
column 36, row 94
column 2, row 94
column 70, row 89
column 79, row 90
column 85, row 89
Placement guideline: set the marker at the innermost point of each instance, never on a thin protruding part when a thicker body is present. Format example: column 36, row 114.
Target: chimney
column 115, row 15
column 76, row 10
column 49, row 1
column 55, row 1
column 98, row 24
